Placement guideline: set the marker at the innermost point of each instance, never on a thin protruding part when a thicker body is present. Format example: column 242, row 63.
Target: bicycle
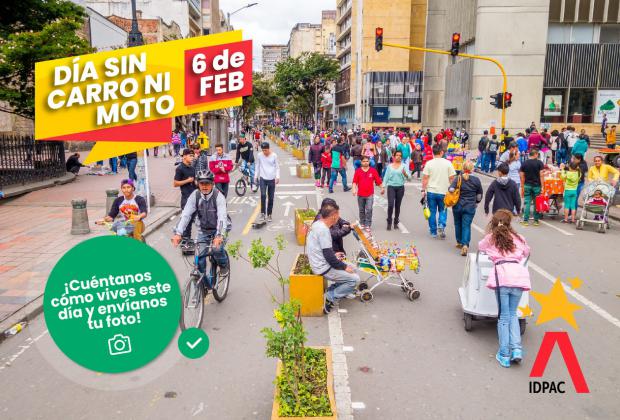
column 242, row 183
column 196, row 290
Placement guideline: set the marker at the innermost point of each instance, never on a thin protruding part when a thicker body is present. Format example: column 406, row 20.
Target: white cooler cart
column 478, row 301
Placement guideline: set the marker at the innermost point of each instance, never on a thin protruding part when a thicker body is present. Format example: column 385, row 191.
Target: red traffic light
column 379, row 32
column 456, row 37
column 507, row 96
column 378, row 39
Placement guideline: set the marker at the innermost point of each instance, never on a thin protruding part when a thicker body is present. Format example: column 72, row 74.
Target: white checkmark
column 192, row 346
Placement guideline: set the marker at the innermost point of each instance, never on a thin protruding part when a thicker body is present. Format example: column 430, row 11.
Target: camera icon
column 119, row 344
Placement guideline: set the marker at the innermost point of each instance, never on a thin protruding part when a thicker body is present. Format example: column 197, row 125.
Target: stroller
column 385, row 269
column 594, row 213
column 478, row 301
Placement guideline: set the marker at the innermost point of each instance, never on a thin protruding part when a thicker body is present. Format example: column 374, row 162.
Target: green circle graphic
column 193, row 343
column 112, row 304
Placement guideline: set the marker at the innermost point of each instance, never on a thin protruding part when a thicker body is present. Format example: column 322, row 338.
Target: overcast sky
column 271, row 21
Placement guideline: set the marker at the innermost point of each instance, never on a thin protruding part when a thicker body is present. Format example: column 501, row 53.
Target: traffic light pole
column 475, row 57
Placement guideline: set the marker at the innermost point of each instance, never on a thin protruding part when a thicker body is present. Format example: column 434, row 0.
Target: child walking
column 507, row 250
column 417, row 158
column 326, row 162
column 571, row 181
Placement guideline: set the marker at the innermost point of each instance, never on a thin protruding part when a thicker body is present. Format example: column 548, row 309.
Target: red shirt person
column 364, row 181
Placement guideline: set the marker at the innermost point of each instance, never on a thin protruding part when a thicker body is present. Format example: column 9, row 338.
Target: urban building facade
column 328, row 32
column 272, row 55
column 186, row 13
column 305, row 37
column 103, row 34
column 379, row 89
column 153, row 30
column 567, row 61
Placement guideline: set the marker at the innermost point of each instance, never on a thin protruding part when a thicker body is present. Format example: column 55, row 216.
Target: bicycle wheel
column 220, row 290
column 240, row 187
column 193, row 304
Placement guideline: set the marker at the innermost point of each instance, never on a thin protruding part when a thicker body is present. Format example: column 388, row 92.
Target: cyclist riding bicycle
column 209, row 205
column 245, row 152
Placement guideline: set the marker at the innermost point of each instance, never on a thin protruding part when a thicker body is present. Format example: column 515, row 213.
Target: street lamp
column 238, row 10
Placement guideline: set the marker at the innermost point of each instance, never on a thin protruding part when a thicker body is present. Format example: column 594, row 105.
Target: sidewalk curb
column 24, row 189
column 34, row 308
column 611, row 216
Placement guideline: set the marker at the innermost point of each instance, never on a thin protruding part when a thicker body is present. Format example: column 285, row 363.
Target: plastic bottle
column 15, row 329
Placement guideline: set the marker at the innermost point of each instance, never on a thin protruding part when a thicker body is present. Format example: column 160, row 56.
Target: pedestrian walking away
column 221, row 165
column 395, row 175
column 324, row 261
column 470, row 194
column 510, row 278
column 437, row 176
column 363, row 184
column 339, row 165
column 491, row 154
column 531, row 186
column 482, row 151
column 267, row 176
column 184, row 176
column 504, row 192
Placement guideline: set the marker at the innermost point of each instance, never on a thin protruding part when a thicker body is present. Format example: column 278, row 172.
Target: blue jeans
column 113, row 164
column 481, row 161
column 131, row 167
column 334, row 177
column 219, row 255
column 508, row 325
column 342, row 284
column 491, row 158
column 248, row 168
column 435, row 205
column 561, row 156
column 463, row 216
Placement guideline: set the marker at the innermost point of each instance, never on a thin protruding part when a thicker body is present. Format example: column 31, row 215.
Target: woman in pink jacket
column 508, row 251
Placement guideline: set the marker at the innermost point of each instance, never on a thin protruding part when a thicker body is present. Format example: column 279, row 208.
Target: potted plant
column 304, row 386
column 303, row 221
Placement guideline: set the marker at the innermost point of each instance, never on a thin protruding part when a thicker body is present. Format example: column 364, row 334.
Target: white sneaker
column 269, row 218
column 351, row 296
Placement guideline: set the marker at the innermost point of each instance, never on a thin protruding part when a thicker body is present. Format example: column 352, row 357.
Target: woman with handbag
column 508, row 251
column 468, row 191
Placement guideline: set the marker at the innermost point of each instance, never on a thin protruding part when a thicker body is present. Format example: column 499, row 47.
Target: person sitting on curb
column 132, row 208
column 504, row 192
column 324, row 262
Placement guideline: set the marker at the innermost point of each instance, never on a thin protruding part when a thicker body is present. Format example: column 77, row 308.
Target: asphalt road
column 405, row 359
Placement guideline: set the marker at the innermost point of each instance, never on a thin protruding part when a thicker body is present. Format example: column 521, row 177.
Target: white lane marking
column 342, row 311
column 562, row 231
column 380, row 201
column 347, row 348
column 342, row 390
column 403, row 228
column 287, row 210
column 587, row 302
column 358, row 405
column 296, row 185
column 293, row 170
column 29, row 342
column 172, row 217
column 295, row 192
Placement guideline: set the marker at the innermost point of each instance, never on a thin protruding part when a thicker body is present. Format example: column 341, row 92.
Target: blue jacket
column 581, row 147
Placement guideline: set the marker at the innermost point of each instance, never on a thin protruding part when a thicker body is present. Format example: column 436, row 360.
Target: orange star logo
column 555, row 304
column 526, row 311
column 575, row 283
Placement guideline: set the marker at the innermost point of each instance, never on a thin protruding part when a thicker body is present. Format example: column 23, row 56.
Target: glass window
column 412, row 113
column 396, row 88
column 610, row 34
column 582, row 34
column 580, row 105
column 558, row 33
column 396, row 113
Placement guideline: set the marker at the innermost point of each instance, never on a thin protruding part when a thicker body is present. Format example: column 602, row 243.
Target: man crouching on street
column 324, row 262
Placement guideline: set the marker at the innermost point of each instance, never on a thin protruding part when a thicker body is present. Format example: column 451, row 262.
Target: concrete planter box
column 308, row 289
column 330, row 390
column 302, row 226
column 304, row 170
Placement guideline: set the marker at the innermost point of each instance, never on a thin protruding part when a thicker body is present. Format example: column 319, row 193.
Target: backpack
column 492, row 146
column 451, row 198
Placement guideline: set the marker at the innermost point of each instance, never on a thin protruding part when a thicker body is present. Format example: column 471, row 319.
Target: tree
column 298, row 78
column 31, row 31
column 264, row 96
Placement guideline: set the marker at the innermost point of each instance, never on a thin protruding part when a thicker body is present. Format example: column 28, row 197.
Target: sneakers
column 459, row 246
column 503, row 361
column 396, row 224
column 434, row 235
column 464, row 250
column 317, row 184
column 536, row 223
column 517, row 356
column 347, row 189
column 331, row 191
column 262, row 218
column 524, row 223
column 269, row 219
column 442, row 232
column 389, row 226
column 327, row 305
column 351, row 296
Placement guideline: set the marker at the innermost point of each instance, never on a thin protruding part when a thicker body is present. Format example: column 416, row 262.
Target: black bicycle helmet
column 205, row 176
